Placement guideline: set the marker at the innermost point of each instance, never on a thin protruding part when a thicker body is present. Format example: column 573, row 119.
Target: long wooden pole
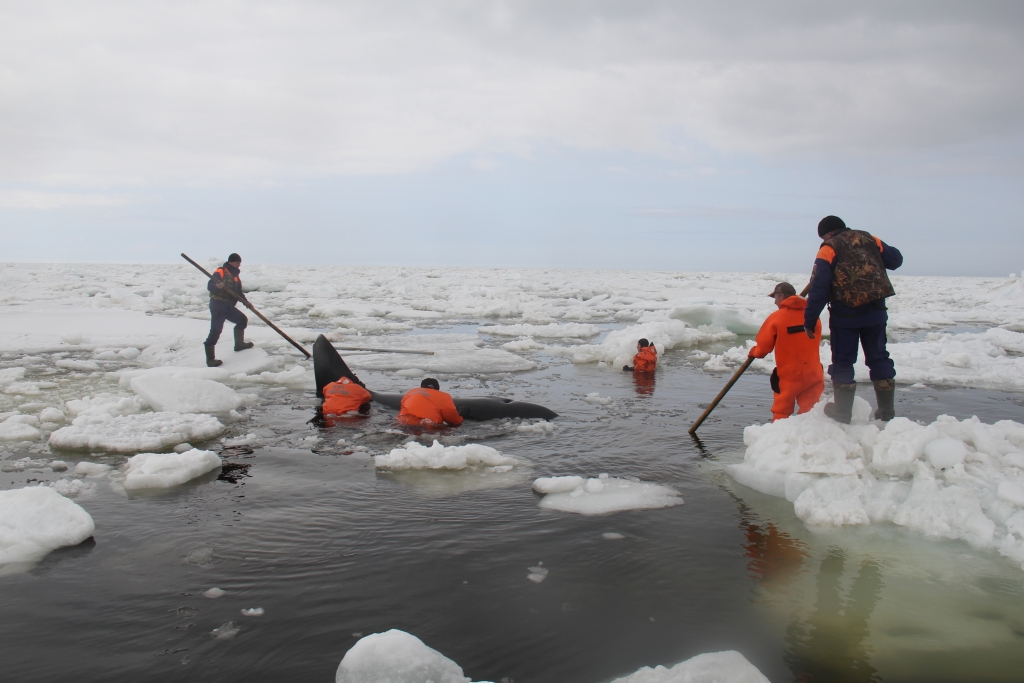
column 721, row 394
column 359, row 348
column 251, row 308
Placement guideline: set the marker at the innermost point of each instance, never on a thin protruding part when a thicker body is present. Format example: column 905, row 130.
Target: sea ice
column 91, row 469
column 200, row 556
column 214, row 592
column 602, row 495
column 163, row 470
column 396, row 657
column 51, row 415
column 597, row 399
column 711, row 667
column 619, row 346
column 226, row 631
column 253, row 612
column 538, row 573
column 135, row 433
column 542, row 427
column 550, row 331
column 15, row 430
column 71, row 488
column 949, row 479
column 416, row 456
column 182, row 395
column 612, row 536
column 36, row 520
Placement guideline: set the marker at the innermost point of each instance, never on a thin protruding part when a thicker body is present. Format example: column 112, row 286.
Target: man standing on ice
column 223, row 283
column 849, row 276
column 798, row 377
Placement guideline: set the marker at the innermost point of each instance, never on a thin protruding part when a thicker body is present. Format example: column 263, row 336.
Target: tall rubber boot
column 841, row 407
column 210, row 360
column 240, row 343
column 885, row 395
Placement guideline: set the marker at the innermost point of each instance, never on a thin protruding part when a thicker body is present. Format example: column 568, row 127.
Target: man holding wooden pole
column 225, row 289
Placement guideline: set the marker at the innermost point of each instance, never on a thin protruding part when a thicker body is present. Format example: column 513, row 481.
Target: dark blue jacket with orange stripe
column 841, row 315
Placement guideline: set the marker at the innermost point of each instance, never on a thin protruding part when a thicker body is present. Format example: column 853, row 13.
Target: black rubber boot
column 841, row 407
column 240, row 343
column 210, row 360
column 885, row 395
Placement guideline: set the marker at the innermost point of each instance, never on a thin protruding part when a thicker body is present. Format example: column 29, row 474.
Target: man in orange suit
column 646, row 358
column 428, row 405
column 798, row 376
column 345, row 396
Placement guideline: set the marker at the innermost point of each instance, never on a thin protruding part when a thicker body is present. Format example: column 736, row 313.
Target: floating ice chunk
column 411, row 372
column 543, row 427
column 226, row 631
column 603, row 494
column 91, row 469
column 182, row 395
column 130, row 353
column 416, row 456
column 949, row 479
column 597, row 399
column 51, row 415
column 80, row 365
column 163, row 470
column 134, row 433
column 253, row 612
column 24, row 389
column 550, row 331
column 739, row 322
column 72, row 338
column 103, row 406
column 527, row 344
column 36, row 520
column 538, row 573
column 22, row 464
column 13, row 430
column 612, row 536
column 214, row 592
column 396, row 657
column 712, row 667
column 200, row 556
column 71, row 488
column 182, row 448
column 9, row 376
column 58, row 465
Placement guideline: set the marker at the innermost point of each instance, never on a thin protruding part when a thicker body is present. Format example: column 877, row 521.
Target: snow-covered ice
column 958, row 479
column 397, row 657
column 183, row 395
column 38, row 519
column 91, row 469
column 603, row 494
column 538, row 573
column 214, row 592
column 252, row 612
column 226, row 631
column 163, row 470
column 135, row 433
column 416, row 456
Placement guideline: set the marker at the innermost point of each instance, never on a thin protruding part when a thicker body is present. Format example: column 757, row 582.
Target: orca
column 329, row 366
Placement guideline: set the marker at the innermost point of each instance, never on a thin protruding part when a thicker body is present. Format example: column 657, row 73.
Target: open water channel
column 332, row 550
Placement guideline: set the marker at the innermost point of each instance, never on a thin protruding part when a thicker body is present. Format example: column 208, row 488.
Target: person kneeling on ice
column 798, row 376
column 428, row 405
column 646, row 358
column 345, row 396
column 223, row 283
column 849, row 276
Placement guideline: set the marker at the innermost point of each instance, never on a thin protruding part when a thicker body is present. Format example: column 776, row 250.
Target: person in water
column 345, row 396
column 646, row 358
column 223, row 283
column 798, row 376
column 428, row 405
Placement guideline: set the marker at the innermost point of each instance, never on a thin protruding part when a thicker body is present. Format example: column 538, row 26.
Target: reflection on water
column 775, row 556
column 643, row 383
column 830, row 645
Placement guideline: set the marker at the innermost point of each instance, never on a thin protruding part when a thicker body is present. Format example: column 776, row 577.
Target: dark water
column 331, row 549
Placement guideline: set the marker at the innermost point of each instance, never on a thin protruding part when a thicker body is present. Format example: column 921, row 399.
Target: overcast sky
column 650, row 135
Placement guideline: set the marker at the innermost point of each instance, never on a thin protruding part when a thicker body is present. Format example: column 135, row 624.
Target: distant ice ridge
column 416, row 456
column 399, row 657
column 36, row 520
column 163, row 470
column 950, row 479
column 603, row 494
column 135, row 433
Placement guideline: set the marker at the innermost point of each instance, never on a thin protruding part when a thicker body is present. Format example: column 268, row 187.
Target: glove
column 809, row 331
column 626, row 368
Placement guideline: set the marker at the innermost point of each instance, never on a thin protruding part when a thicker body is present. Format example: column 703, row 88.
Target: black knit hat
column 644, row 343
column 431, row 383
column 234, row 258
column 830, row 224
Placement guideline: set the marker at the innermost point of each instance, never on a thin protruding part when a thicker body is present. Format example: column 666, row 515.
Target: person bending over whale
column 345, row 396
column 428, row 405
column 646, row 358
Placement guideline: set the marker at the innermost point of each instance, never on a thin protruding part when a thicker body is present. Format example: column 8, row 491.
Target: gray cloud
column 127, row 93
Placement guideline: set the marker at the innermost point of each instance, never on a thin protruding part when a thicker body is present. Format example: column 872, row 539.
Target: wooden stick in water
column 721, row 394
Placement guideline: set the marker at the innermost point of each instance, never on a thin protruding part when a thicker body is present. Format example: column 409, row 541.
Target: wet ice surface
column 300, row 522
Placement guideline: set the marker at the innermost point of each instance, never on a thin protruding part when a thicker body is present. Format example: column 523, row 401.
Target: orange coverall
column 428, row 405
column 646, row 359
column 344, row 396
column 801, row 378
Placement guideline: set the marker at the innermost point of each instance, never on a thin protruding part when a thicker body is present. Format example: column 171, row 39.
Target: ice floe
column 957, row 479
column 416, row 456
column 135, row 433
column 603, row 494
column 184, row 395
column 214, row 592
column 711, row 667
column 549, row 331
column 38, row 519
column 163, row 470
